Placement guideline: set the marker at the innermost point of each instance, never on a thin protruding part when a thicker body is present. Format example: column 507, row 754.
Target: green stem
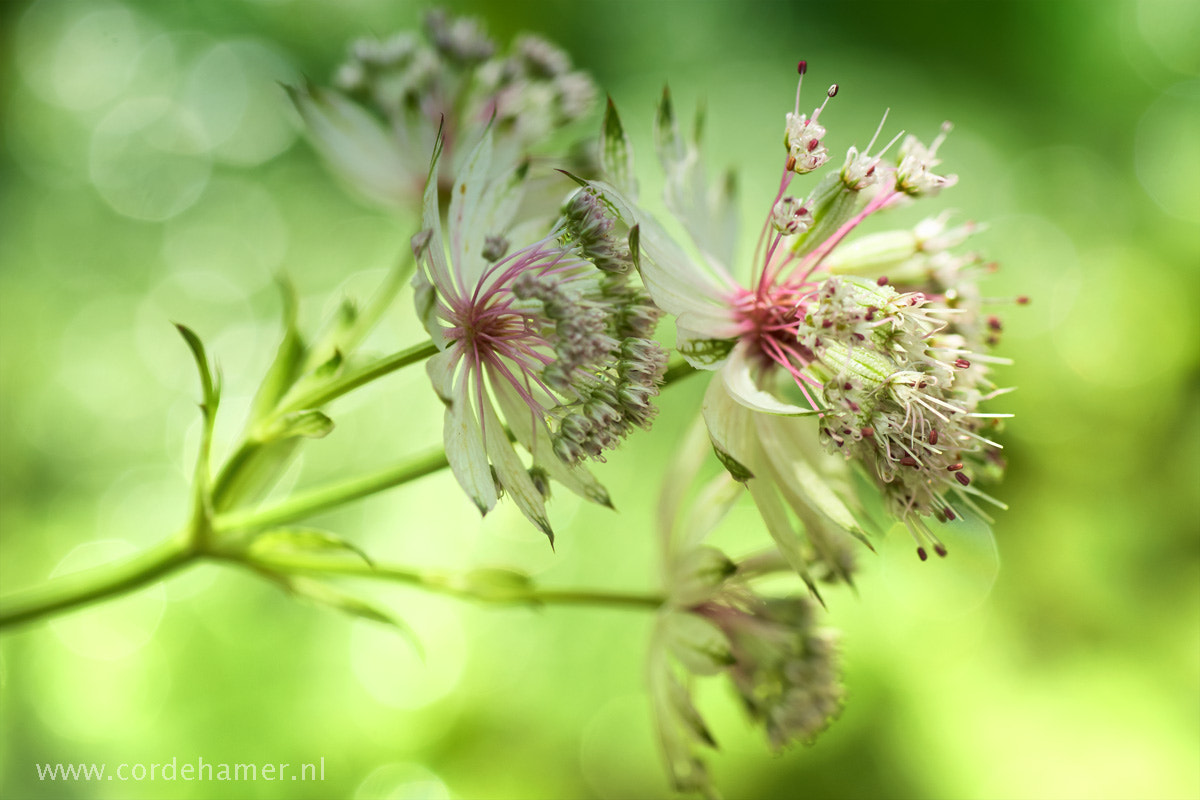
column 455, row 586
column 99, row 583
column 352, row 380
column 305, row 504
column 80, row 589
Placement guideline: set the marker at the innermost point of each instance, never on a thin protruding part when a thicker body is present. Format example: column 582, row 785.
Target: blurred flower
column 782, row 666
column 892, row 376
column 377, row 125
column 553, row 333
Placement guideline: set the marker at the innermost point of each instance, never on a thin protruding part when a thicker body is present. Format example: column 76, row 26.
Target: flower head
column 377, row 124
column 553, row 333
column 883, row 371
column 783, row 667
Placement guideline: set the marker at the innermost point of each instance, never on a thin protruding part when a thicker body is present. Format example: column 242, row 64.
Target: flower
column 553, row 333
column 377, row 124
column 784, row 668
column 888, row 371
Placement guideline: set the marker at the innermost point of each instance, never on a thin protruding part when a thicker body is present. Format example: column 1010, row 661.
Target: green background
column 1078, row 676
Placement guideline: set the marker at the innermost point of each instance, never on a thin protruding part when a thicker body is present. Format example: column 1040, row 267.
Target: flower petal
column 704, row 340
column 465, row 449
column 781, row 530
column 466, row 202
column 512, row 473
column 431, row 220
column 731, row 429
column 737, row 373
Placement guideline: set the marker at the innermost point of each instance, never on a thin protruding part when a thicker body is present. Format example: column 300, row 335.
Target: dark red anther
column 847, row 386
column 859, row 337
column 801, row 211
column 962, row 478
column 940, row 549
column 933, row 437
column 813, row 144
column 955, row 467
column 867, row 432
column 950, row 513
column 1022, row 300
column 908, row 461
column 994, row 323
column 802, row 67
column 921, row 552
column 882, row 280
column 827, row 323
column 832, row 90
column 962, row 363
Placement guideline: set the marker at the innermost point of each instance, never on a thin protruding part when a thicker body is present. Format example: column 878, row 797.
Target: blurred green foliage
column 152, row 172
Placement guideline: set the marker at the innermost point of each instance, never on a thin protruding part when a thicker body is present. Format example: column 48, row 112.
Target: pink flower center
column 770, row 319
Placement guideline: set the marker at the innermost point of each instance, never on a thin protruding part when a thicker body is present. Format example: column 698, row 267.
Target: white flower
column 776, row 403
column 553, row 334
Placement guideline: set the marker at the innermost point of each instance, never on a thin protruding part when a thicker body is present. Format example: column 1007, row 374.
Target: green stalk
column 454, row 586
column 352, row 380
column 306, row 503
column 99, row 583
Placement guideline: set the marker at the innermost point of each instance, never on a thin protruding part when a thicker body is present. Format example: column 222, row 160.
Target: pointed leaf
column 616, row 153
column 666, row 132
column 497, row 584
column 284, row 542
column 289, row 356
column 309, row 423
column 322, row 593
column 209, row 384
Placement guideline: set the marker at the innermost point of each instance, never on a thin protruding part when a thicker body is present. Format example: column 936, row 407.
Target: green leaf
column 323, row 594
column 497, row 584
column 309, row 423
column 289, row 542
column 209, row 383
column 289, row 357
column 616, row 153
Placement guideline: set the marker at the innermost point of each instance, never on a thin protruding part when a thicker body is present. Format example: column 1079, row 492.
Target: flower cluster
column 848, row 371
column 378, row 123
column 887, row 362
column 783, row 667
column 554, row 333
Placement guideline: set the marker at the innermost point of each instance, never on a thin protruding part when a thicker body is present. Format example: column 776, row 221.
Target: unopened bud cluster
column 784, row 668
column 455, row 70
column 605, row 366
column 591, row 227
